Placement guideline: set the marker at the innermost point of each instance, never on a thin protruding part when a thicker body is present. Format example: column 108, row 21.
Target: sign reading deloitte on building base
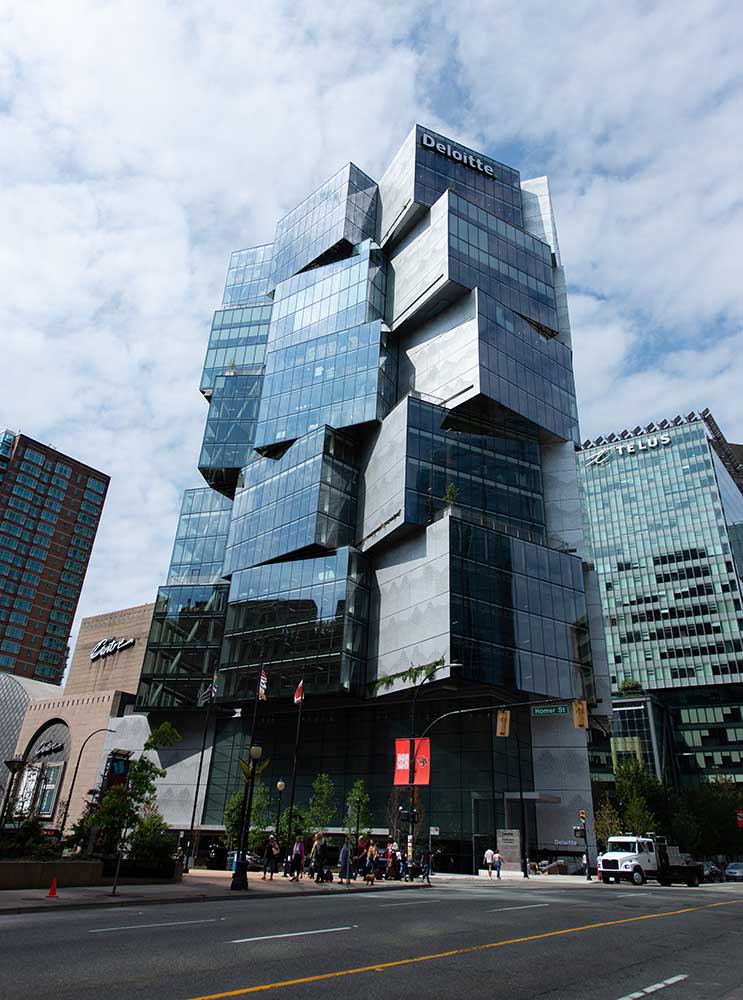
column 460, row 155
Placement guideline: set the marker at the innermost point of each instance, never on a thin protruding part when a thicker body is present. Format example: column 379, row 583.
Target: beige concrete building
column 71, row 726
column 109, row 651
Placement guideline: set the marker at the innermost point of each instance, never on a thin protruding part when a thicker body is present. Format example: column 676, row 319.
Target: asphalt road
column 461, row 940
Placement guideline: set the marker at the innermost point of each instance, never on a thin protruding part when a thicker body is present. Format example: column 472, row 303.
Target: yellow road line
column 379, row 967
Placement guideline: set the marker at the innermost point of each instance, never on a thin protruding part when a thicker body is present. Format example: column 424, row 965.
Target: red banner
column 422, row 761
column 402, row 762
column 422, row 774
column 739, row 816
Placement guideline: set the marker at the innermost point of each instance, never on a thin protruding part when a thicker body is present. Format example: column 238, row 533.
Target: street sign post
column 538, row 710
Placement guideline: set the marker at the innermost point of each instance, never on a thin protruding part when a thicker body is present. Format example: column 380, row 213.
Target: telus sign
column 629, row 448
column 460, row 155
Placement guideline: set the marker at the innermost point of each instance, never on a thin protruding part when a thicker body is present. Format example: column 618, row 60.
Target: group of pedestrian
column 493, row 860
column 368, row 861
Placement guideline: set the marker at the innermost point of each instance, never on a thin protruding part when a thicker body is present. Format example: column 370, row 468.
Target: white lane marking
column 417, row 902
column 169, row 923
column 530, row 906
column 272, row 937
column 654, row 987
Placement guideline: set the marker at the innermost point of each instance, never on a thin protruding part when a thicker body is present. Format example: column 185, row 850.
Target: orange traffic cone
column 52, row 894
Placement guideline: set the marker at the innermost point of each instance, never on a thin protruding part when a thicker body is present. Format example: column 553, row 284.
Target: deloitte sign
column 460, row 155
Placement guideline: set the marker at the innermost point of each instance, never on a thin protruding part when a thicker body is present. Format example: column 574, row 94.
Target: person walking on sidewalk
column 498, row 861
column 297, row 863
column 426, row 865
column 271, row 859
column 344, row 861
column 488, row 860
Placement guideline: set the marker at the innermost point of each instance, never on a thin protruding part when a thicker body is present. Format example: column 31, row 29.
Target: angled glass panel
column 341, row 212
column 247, row 275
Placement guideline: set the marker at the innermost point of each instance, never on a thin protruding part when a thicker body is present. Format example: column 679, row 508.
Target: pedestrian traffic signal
column 582, row 815
column 503, row 722
column 580, row 714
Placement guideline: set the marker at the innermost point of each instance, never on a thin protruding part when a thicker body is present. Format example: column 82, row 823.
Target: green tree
column 630, row 686
column 632, row 778
column 357, row 814
column 323, row 808
column 607, row 821
column 451, row 493
column 638, row 817
column 151, row 842
column 231, row 819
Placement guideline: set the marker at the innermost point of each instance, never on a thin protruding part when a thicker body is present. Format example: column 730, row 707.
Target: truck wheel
column 638, row 876
column 693, row 881
column 664, row 881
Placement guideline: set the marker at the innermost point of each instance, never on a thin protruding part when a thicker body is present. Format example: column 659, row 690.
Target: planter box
column 169, row 871
column 39, row 874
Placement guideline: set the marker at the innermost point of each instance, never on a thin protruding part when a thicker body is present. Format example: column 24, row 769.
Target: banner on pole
column 422, row 767
column 739, row 817
column 402, row 762
column 422, row 770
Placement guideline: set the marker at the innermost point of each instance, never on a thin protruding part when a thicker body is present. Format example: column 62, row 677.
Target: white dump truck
column 634, row 858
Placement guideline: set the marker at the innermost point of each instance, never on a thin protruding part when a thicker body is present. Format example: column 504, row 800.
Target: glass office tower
column 391, row 435
column 664, row 509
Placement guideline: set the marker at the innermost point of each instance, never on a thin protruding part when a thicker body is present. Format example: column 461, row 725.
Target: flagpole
column 207, row 720
column 289, row 840
column 244, row 808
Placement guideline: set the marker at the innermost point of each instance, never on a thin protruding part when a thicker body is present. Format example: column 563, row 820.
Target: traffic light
column 580, row 714
column 582, row 815
column 503, row 722
column 579, row 832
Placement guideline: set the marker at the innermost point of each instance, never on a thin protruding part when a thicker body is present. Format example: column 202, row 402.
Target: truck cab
column 629, row 858
column 634, row 858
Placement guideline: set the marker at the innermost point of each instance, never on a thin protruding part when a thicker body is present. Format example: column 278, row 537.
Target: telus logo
column 468, row 159
column 646, row 444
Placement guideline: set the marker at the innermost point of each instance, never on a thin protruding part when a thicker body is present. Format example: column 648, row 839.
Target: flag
column 263, row 686
column 208, row 693
column 299, row 693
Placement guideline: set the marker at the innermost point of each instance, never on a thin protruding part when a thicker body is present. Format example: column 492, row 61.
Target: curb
column 198, row 898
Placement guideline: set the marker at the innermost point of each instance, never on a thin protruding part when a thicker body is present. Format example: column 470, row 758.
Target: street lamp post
column 14, row 765
column 240, row 875
column 74, row 776
column 280, row 786
column 411, row 755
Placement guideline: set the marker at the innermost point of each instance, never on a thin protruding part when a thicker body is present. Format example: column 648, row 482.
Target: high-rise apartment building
column 664, row 519
column 50, row 507
column 393, row 504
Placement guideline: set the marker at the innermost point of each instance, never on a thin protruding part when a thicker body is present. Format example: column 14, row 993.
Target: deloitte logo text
column 468, row 159
column 629, row 448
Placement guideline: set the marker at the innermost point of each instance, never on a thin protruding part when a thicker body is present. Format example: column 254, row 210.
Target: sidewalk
column 198, row 886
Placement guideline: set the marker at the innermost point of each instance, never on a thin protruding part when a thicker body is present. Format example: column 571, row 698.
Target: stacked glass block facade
column 664, row 508
column 50, row 508
column 390, row 460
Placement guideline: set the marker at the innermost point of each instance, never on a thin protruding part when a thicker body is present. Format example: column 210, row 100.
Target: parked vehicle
column 711, row 872
column 633, row 858
column 734, row 872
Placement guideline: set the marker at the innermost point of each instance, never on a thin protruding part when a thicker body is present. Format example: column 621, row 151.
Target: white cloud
column 142, row 142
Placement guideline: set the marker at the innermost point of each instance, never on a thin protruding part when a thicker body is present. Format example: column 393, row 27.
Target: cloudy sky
column 141, row 142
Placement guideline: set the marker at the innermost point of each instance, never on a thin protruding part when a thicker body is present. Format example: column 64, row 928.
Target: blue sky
column 142, row 142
